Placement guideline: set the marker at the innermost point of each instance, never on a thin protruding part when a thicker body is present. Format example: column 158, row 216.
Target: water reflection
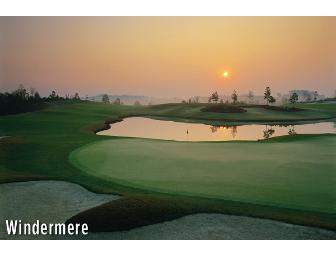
column 268, row 132
column 180, row 131
column 291, row 130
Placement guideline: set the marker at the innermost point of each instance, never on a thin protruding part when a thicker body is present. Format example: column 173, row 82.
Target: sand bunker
column 57, row 201
column 218, row 226
column 47, row 201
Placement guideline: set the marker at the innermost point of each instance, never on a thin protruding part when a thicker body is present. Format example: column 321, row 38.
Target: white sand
column 218, row 226
column 47, row 201
column 57, row 201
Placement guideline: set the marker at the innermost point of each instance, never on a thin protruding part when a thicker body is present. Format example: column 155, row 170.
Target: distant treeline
column 23, row 100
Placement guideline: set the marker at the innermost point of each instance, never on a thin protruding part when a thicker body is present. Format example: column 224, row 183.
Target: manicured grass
column 298, row 175
column 39, row 145
column 322, row 107
column 222, row 108
column 194, row 113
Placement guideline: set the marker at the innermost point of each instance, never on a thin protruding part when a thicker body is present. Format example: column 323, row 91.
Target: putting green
column 298, row 173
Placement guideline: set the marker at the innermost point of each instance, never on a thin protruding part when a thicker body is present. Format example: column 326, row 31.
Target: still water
column 180, row 131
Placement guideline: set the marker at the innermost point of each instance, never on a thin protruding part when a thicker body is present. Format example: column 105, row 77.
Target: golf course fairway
column 297, row 173
column 289, row 179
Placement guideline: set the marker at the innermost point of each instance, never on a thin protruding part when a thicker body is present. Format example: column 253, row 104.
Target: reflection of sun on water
column 224, row 131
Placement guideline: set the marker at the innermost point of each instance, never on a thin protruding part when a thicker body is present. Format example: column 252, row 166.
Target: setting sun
column 226, row 74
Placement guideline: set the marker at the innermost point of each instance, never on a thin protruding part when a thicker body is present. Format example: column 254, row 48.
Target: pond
column 181, row 131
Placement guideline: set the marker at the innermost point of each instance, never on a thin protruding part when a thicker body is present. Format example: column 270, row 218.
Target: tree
column 315, row 95
column 19, row 101
column 308, row 97
column 214, row 97
column 278, row 96
column 293, row 98
column 76, row 96
column 268, row 97
column 117, row 101
column 53, row 96
column 21, row 92
column 105, row 99
column 250, row 96
column 284, row 100
column 37, row 96
column 272, row 99
column 32, row 92
column 234, row 97
column 137, row 103
column 221, row 101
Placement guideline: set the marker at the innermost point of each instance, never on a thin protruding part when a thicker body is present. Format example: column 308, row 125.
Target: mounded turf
column 194, row 112
column 297, row 174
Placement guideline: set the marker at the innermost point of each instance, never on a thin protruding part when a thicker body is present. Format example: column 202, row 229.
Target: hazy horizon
column 168, row 56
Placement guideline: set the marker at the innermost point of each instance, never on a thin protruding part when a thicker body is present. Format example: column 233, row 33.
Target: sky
column 168, row 56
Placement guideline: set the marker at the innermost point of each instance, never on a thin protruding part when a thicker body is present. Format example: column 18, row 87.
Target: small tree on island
column 214, row 97
column 117, row 101
column 268, row 97
column 272, row 100
column 308, row 97
column 315, row 96
column 250, row 96
column 293, row 98
column 234, row 97
column 105, row 99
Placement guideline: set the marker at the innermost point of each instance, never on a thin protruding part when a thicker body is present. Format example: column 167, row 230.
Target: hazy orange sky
column 168, row 56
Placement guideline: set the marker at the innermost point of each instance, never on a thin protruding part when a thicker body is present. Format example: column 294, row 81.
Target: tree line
column 25, row 100
column 268, row 97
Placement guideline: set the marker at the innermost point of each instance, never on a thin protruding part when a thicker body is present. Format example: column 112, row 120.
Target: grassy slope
column 40, row 143
column 290, row 174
